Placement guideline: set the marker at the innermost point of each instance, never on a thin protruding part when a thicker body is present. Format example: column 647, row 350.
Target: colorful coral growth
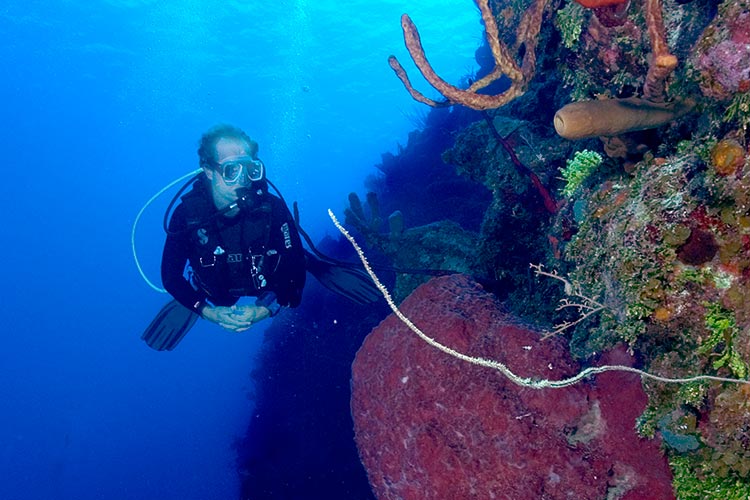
column 729, row 433
column 727, row 157
column 578, row 169
column 660, row 236
column 723, row 53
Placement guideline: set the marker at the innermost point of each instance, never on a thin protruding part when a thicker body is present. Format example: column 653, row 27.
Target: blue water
column 102, row 104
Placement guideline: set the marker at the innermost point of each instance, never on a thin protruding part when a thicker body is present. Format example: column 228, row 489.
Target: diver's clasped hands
column 236, row 318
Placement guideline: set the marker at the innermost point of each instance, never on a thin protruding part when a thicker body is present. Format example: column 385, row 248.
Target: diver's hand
column 251, row 313
column 235, row 318
column 225, row 317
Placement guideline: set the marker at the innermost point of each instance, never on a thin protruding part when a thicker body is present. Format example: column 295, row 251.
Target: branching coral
column 505, row 63
column 584, row 305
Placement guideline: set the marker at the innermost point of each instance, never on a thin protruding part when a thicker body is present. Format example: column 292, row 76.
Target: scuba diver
column 230, row 238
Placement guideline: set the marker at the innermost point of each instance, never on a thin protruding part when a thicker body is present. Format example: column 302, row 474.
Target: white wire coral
column 496, row 365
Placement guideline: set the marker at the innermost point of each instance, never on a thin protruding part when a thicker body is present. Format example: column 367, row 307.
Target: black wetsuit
column 256, row 253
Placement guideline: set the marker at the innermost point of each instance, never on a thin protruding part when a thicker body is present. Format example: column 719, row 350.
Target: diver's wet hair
column 207, row 145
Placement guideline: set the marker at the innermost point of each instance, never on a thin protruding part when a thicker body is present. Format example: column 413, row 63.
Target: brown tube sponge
column 612, row 117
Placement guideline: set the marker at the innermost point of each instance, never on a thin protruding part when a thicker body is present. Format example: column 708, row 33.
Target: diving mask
column 231, row 169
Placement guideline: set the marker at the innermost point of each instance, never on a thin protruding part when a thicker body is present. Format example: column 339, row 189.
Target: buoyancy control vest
column 230, row 256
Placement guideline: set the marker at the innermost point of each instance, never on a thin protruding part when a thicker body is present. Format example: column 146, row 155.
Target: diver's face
column 225, row 194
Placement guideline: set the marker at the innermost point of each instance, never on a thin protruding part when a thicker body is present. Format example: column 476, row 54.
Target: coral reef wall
column 635, row 125
column 661, row 227
column 643, row 208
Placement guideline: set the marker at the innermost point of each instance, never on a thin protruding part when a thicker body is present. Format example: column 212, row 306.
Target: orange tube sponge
column 527, row 35
column 662, row 61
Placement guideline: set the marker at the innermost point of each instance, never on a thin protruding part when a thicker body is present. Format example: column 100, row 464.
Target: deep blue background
column 102, row 104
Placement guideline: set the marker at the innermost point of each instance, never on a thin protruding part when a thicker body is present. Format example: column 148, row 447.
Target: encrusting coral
column 722, row 54
column 727, row 156
column 505, row 63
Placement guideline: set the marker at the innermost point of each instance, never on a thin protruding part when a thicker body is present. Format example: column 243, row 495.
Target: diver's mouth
column 245, row 198
column 243, row 193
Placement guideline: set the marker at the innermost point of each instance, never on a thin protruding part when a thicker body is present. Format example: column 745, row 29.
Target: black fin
column 169, row 326
column 348, row 281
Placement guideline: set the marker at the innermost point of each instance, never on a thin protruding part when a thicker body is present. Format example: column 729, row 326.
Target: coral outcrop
column 444, row 247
